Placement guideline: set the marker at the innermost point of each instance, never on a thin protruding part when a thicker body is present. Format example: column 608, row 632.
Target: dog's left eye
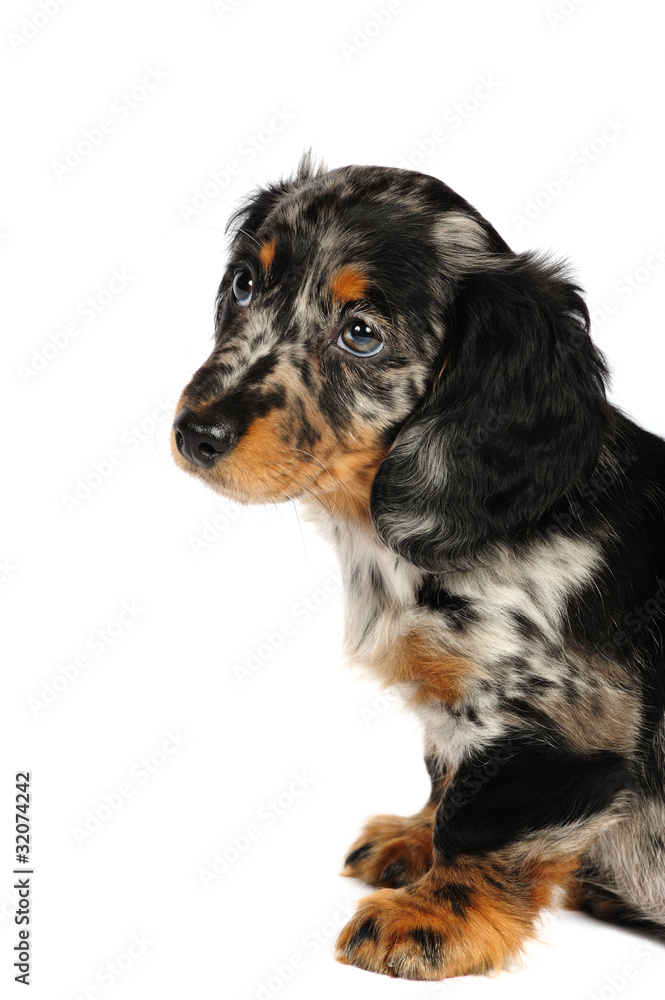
column 243, row 286
column 360, row 339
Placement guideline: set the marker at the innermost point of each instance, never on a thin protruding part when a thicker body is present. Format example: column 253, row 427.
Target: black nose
column 202, row 441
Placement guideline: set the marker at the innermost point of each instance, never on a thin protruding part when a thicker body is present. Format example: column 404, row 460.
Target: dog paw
column 392, row 851
column 388, row 936
column 433, row 929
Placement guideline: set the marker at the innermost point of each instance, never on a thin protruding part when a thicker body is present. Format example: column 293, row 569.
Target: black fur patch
column 458, row 610
column 368, row 931
column 394, row 874
column 359, row 853
column 457, row 895
column 430, row 943
column 437, row 776
column 522, row 786
column 526, row 627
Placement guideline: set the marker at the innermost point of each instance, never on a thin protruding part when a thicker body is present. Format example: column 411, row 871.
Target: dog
column 436, row 404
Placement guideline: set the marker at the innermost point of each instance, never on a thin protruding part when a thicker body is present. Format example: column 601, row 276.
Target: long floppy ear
column 517, row 418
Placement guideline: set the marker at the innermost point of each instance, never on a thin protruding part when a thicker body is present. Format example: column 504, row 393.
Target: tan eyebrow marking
column 348, row 283
column 267, row 253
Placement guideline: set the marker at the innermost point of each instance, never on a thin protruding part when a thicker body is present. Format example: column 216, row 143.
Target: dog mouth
column 260, row 463
column 223, row 459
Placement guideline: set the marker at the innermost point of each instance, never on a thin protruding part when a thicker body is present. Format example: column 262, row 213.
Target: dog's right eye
column 243, row 286
column 360, row 339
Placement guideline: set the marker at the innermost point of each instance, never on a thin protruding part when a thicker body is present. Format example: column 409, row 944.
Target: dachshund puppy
column 436, row 402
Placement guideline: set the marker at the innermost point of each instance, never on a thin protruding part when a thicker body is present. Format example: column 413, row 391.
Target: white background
column 211, row 580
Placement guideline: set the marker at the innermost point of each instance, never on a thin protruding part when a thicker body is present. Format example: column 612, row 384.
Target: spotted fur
column 500, row 530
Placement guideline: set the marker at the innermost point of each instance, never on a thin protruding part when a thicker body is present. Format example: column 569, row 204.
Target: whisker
column 248, row 235
column 325, row 468
column 307, row 490
column 302, row 534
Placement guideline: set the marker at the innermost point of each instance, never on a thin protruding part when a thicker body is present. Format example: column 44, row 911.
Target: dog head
column 381, row 351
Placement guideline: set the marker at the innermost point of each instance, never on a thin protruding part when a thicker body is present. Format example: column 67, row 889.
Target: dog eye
column 360, row 339
column 243, row 286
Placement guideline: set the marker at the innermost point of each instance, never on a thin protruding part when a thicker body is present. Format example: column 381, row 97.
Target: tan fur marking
column 267, row 253
column 438, row 674
column 470, row 918
column 400, row 849
column 344, row 485
column 348, row 284
column 262, row 468
column 265, row 466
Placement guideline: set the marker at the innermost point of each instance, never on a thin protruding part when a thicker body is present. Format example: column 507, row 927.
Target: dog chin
column 231, row 488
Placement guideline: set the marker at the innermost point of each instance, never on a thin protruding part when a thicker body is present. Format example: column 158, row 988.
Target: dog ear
column 516, row 419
